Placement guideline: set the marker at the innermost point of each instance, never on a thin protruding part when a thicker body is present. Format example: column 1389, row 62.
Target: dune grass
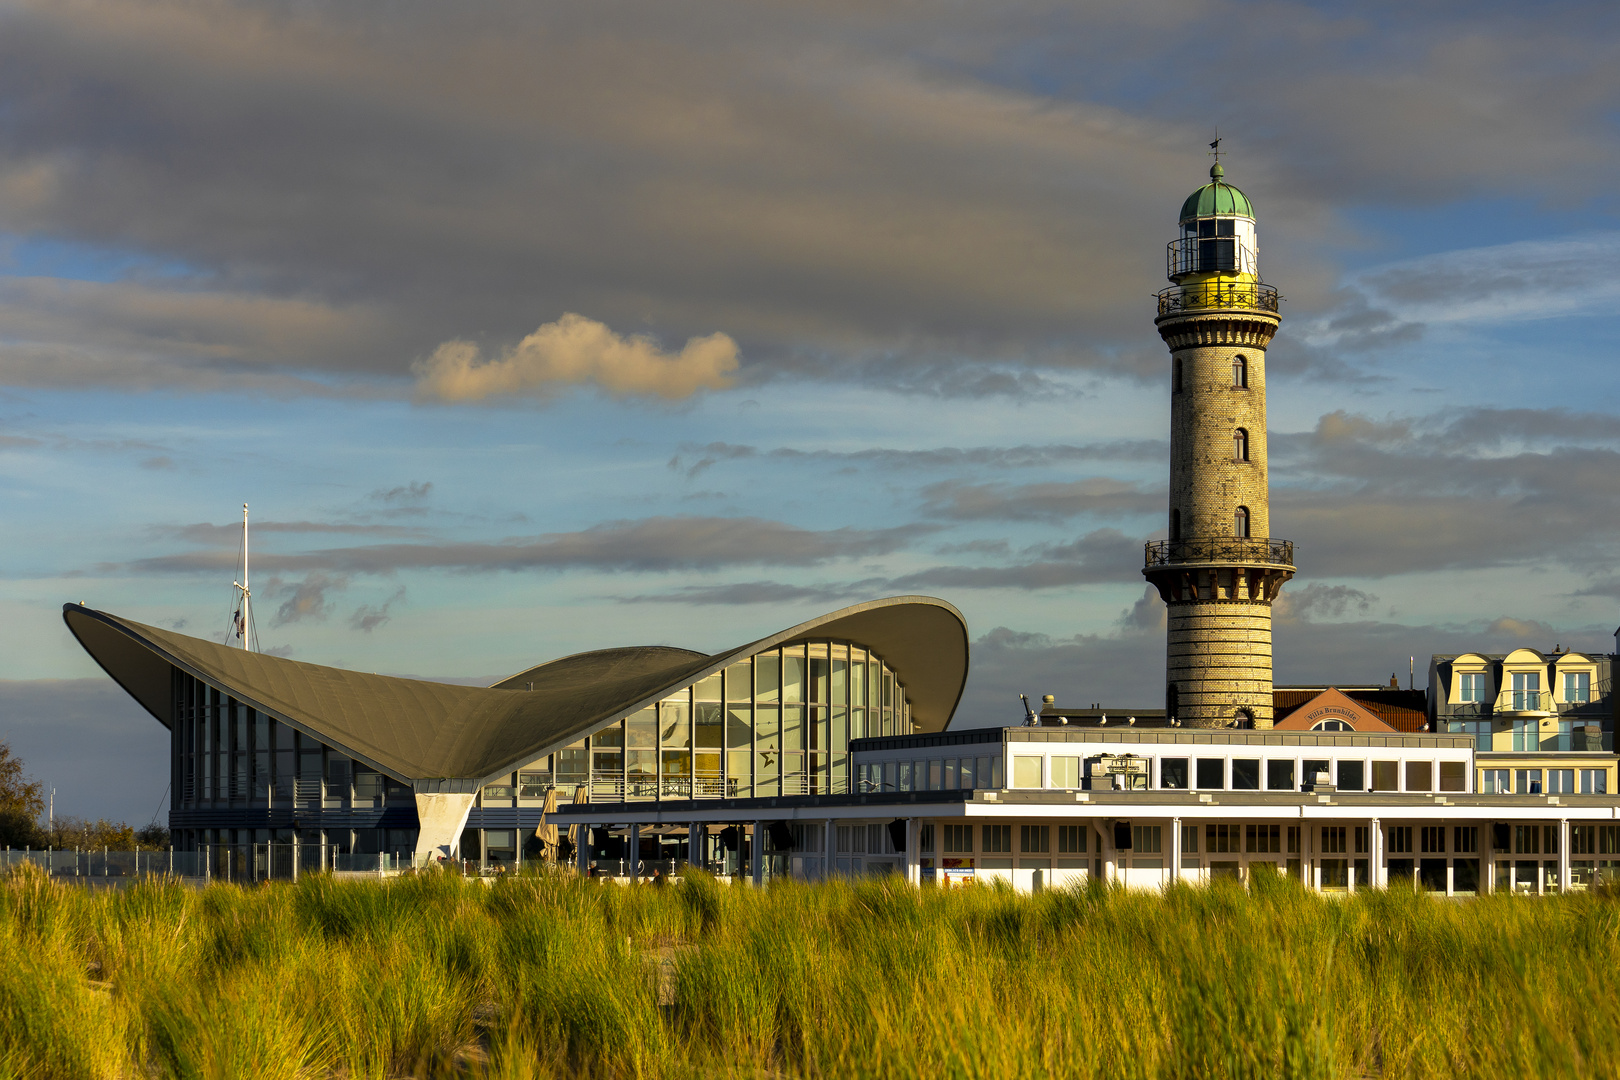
column 550, row 976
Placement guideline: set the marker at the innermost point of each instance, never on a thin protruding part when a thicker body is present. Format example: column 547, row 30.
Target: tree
column 18, row 794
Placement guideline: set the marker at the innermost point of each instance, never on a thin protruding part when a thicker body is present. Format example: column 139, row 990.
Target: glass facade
column 777, row 723
column 241, row 778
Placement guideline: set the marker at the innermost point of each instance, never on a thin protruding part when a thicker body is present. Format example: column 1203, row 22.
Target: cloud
column 572, row 351
column 1320, row 603
column 310, row 598
column 367, row 617
column 959, row 201
column 653, row 544
column 695, row 458
column 753, row 592
column 413, row 492
column 1521, row 629
column 1101, row 555
column 1461, row 488
column 1054, row 501
column 1125, row 669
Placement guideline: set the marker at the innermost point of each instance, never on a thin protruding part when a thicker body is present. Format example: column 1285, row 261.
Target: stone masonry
column 1219, row 590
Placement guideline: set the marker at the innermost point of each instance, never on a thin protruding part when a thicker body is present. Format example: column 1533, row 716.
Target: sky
column 527, row 329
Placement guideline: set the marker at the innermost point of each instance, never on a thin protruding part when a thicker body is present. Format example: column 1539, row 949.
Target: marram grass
column 551, row 976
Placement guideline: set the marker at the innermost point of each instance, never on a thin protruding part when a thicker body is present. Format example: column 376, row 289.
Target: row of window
column 934, row 774
column 225, row 751
column 1531, row 736
column 1558, row 782
column 1526, row 687
column 1246, row 774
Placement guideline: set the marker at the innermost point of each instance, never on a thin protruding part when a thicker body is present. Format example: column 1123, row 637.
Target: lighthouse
column 1220, row 568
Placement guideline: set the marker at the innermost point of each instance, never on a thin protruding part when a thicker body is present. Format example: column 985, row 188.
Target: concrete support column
column 913, row 856
column 1563, row 855
column 1175, row 849
column 483, row 850
column 696, row 835
column 635, row 850
column 1375, row 837
column 828, row 848
column 1487, row 857
column 582, row 848
column 756, row 853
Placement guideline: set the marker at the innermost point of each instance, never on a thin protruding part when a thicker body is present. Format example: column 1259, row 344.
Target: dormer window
column 1577, row 686
column 1471, row 686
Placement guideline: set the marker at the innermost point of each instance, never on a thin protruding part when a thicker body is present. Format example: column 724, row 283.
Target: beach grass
column 552, row 976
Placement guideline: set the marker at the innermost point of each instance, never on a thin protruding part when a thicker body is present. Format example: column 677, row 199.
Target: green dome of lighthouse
column 1216, row 197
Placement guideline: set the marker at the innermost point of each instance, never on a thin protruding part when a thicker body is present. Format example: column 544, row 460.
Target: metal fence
column 215, row 862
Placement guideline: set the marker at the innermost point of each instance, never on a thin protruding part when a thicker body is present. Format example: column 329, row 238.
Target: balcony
column 1220, row 551
column 1217, row 296
column 1525, row 703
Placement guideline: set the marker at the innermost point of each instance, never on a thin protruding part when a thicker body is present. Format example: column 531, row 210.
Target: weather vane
column 1215, row 147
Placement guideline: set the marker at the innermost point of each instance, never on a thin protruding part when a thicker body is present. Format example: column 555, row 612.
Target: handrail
column 1187, row 255
column 1250, row 295
column 1219, row 549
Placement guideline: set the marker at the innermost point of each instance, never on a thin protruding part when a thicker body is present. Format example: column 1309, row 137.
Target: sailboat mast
column 247, row 597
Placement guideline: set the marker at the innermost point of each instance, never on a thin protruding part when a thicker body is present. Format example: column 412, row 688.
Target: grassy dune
column 549, row 976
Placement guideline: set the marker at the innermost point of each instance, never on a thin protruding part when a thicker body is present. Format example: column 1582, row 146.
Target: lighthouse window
column 1175, row 524
column 1240, row 372
column 1175, row 378
column 1240, row 445
column 1240, row 523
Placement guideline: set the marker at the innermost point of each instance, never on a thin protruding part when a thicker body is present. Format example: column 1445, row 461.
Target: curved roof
column 1216, row 197
column 416, row 730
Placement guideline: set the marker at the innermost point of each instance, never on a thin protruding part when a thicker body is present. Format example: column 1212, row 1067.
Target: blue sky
column 528, row 331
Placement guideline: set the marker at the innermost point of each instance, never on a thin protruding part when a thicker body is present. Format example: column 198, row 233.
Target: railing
column 1208, row 255
column 1249, row 295
column 1219, row 549
column 1525, row 701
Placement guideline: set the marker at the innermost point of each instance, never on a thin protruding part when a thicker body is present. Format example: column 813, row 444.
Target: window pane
column 1173, row 772
column 1211, row 773
column 1280, row 775
column 793, row 673
column 1246, row 774
column 1419, row 776
column 767, row 677
column 1026, row 772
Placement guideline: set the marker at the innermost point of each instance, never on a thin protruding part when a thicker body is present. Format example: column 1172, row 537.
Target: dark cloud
column 105, row 755
column 1370, row 497
column 650, row 544
column 953, row 201
column 1053, row 501
column 1125, row 670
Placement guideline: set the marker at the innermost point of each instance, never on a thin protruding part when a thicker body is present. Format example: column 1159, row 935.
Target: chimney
column 1394, row 683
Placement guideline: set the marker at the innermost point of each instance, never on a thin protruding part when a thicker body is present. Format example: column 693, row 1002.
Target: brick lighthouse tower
column 1220, row 569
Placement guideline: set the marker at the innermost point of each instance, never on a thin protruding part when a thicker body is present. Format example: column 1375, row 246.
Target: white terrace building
column 1042, row 806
